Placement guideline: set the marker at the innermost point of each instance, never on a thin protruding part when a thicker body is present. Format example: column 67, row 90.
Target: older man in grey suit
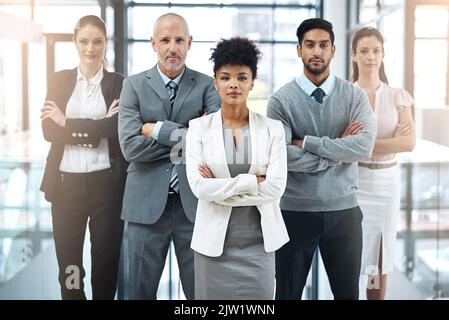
column 158, row 205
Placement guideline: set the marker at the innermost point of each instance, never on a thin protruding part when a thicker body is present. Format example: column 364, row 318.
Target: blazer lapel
column 68, row 90
column 253, row 136
column 154, row 81
column 107, row 89
column 185, row 86
column 220, row 164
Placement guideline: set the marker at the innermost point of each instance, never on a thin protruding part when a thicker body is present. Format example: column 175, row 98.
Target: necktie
column 172, row 88
column 318, row 94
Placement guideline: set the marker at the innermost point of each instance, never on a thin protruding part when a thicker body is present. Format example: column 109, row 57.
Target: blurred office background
column 36, row 40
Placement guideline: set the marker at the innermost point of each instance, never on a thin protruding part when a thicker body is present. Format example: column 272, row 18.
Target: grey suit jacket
column 144, row 98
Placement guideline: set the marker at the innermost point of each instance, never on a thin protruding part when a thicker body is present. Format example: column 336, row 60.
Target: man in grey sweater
column 329, row 126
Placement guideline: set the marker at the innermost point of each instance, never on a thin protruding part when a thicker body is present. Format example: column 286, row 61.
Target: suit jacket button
column 74, row 134
column 84, row 145
column 80, row 135
column 167, row 170
column 85, row 135
column 89, row 145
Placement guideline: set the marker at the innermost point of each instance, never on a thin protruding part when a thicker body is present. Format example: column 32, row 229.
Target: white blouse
column 388, row 103
column 87, row 101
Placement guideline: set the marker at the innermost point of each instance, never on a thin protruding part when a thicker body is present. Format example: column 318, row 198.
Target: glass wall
column 428, row 253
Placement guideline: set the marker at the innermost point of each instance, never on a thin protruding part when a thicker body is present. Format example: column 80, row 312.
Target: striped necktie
column 172, row 88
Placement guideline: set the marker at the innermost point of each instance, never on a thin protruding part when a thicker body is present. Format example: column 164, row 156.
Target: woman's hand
column 205, row 171
column 403, row 129
column 113, row 109
column 52, row 111
column 353, row 129
column 260, row 179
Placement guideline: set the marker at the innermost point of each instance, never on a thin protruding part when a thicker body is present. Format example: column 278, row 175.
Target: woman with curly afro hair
column 237, row 168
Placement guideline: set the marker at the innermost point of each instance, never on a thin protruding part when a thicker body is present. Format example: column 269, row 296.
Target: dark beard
column 316, row 71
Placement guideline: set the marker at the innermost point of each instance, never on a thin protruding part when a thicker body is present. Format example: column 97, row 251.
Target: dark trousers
column 338, row 234
column 148, row 247
column 87, row 198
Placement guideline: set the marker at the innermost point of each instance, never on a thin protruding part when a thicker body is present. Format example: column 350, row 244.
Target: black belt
column 63, row 174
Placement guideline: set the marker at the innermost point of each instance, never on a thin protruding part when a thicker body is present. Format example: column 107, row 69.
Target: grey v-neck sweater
column 322, row 176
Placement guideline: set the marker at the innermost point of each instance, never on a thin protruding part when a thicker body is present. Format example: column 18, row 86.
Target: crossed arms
column 244, row 189
column 319, row 153
column 135, row 135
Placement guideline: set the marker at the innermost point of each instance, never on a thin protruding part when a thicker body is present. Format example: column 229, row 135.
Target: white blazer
column 217, row 196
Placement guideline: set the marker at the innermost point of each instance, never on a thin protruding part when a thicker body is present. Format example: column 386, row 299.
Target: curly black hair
column 236, row 51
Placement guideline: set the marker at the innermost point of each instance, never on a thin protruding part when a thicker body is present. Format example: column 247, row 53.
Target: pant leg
column 341, row 251
column 106, row 231
column 148, row 246
column 69, row 216
column 182, row 237
column 294, row 259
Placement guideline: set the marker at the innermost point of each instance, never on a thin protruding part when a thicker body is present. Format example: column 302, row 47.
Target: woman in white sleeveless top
column 379, row 176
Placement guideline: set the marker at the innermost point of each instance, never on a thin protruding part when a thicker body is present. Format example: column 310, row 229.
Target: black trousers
column 87, row 198
column 338, row 234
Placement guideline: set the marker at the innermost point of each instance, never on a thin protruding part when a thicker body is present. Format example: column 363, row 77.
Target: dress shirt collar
column 308, row 86
column 167, row 79
column 96, row 79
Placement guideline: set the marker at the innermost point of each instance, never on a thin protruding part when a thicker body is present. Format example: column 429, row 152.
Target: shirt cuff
column 313, row 144
column 304, row 142
column 156, row 129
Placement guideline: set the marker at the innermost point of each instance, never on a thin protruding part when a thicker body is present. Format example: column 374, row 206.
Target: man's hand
column 147, row 129
column 353, row 129
column 298, row 142
column 52, row 111
column 205, row 171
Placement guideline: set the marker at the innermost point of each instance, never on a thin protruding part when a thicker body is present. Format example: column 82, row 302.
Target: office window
column 368, row 11
column 392, row 28
column 431, row 55
column 62, row 19
column 10, row 86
